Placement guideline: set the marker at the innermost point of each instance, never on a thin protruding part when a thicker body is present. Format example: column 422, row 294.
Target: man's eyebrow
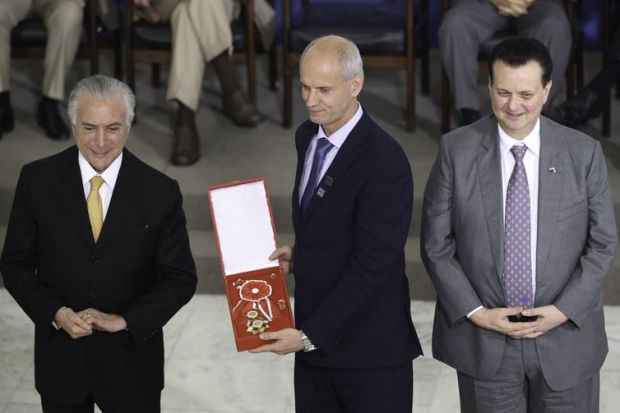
column 84, row 123
column 500, row 89
column 317, row 87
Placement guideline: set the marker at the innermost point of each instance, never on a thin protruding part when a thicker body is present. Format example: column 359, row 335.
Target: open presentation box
column 255, row 286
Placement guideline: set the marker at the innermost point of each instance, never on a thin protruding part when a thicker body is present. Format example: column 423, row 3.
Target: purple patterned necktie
column 322, row 148
column 518, row 288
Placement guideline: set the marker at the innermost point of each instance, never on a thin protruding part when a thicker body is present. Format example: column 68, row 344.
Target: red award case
column 258, row 299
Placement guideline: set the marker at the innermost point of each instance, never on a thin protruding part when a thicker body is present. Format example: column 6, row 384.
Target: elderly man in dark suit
column 352, row 207
column 99, row 272
column 518, row 234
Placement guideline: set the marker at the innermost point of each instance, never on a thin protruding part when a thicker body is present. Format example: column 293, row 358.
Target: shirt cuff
column 472, row 312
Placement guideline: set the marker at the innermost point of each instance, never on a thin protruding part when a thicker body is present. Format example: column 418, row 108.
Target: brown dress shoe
column 239, row 109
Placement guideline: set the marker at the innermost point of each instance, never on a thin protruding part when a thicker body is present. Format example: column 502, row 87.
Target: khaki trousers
column 63, row 20
column 200, row 31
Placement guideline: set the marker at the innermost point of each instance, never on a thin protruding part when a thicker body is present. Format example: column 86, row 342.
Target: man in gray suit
column 470, row 23
column 518, row 234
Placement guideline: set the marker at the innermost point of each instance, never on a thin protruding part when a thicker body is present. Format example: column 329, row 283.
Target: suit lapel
column 71, row 193
column 490, row 176
column 332, row 176
column 549, row 190
column 303, row 142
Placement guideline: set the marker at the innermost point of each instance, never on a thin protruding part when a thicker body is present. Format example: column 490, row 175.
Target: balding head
column 345, row 51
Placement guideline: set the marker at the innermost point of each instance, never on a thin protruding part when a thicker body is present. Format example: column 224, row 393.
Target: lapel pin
column 552, row 169
column 320, row 192
column 329, row 180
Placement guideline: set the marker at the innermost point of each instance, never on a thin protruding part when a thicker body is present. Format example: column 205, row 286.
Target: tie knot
column 518, row 151
column 95, row 183
column 323, row 146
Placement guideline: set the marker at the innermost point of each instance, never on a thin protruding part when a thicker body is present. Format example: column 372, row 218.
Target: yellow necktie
column 95, row 206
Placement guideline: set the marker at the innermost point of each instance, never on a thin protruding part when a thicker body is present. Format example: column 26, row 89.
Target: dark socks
column 185, row 116
column 186, row 143
column 603, row 82
column 7, row 119
column 5, row 99
column 469, row 116
column 225, row 74
column 48, row 101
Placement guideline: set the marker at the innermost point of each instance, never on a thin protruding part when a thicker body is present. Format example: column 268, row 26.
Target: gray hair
column 346, row 51
column 103, row 87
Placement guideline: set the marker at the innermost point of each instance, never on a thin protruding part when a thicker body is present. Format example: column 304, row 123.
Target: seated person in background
column 587, row 104
column 63, row 20
column 470, row 23
column 201, row 34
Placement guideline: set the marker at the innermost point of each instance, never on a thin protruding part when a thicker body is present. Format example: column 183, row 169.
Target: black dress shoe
column 7, row 120
column 186, row 146
column 581, row 108
column 239, row 109
column 48, row 118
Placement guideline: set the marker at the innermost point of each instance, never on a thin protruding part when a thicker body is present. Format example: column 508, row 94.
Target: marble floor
column 204, row 372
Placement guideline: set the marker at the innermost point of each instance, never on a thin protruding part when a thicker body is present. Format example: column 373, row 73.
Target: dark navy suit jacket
column 351, row 291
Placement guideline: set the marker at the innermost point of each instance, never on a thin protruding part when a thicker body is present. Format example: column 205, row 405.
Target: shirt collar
column 337, row 138
column 109, row 175
column 532, row 140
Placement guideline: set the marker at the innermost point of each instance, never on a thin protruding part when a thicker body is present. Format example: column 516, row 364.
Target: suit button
column 93, row 294
column 298, row 246
column 95, row 258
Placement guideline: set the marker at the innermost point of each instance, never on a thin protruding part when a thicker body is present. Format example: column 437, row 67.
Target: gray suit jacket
column 462, row 249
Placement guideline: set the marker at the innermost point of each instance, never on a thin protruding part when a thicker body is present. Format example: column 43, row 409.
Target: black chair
column 574, row 70
column 383, row 32
column 610, row 11
column 152, row 43
column 29, row 37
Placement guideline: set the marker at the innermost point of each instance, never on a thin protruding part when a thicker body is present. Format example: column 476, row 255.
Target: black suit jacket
column 351, row 292
column 141, row 268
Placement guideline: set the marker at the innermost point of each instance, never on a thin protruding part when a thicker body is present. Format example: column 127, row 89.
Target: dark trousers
column 327, row 390
column 88, row 406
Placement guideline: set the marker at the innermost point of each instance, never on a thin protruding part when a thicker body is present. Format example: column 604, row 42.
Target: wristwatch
column 308, row 346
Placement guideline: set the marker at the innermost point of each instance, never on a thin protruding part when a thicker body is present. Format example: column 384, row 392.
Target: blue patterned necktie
column 518, row 289
column 322, row 148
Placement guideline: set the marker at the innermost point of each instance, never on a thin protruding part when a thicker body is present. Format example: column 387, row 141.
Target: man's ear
column 546, row 90
column 356, row 85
